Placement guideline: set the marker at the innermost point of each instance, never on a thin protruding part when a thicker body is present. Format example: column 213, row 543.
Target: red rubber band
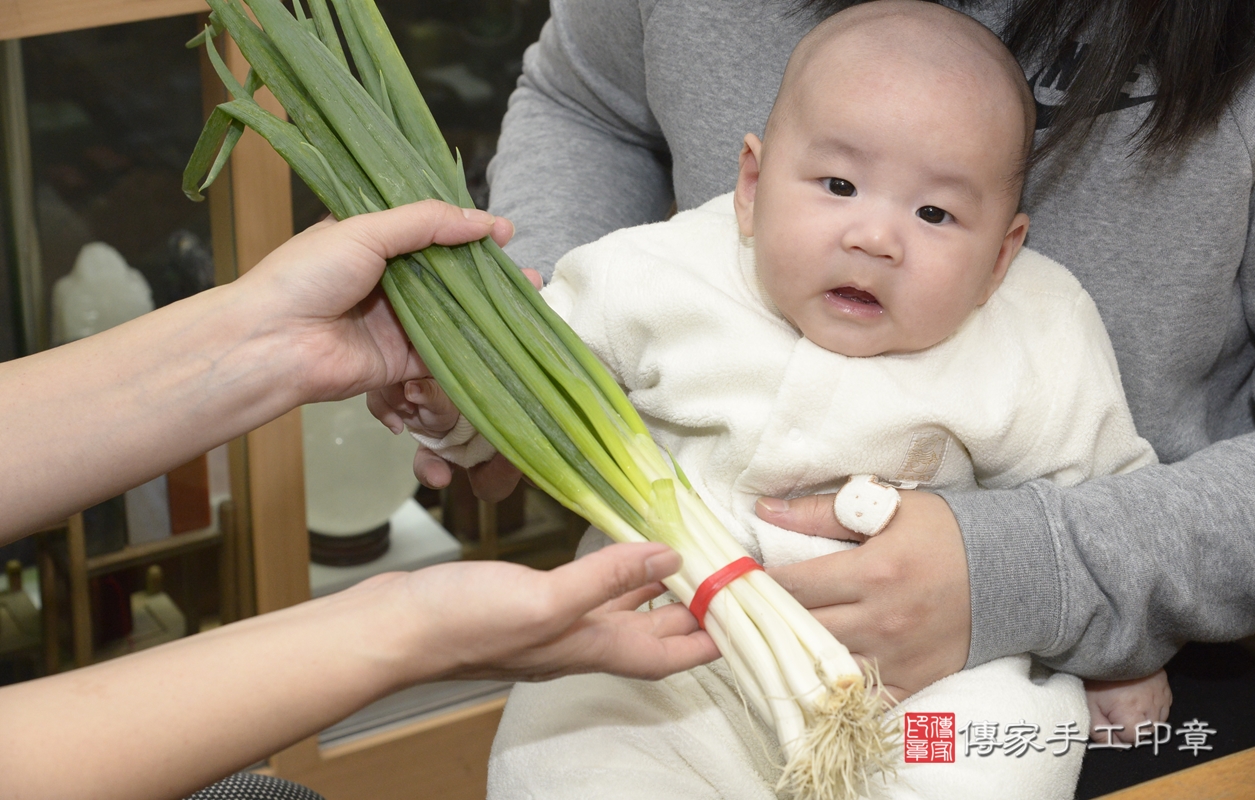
column 715, row 584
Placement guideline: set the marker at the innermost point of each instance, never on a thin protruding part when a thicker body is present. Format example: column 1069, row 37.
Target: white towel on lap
column 689, row 737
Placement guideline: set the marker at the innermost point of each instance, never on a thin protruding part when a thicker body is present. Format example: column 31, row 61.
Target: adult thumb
column 812, row 515
column 611, row 572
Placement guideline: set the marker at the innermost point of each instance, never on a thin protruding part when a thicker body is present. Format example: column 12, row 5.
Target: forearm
column 167, row 721
column 164, row 722
column 88, row 420
column 1109, row 578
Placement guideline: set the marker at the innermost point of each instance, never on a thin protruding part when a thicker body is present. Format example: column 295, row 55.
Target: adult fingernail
column 413, row 392
column 660, row 565
column 476, row 215
column 773, row 505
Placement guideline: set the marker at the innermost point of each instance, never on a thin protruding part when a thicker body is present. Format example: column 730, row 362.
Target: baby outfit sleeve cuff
column 463, row 445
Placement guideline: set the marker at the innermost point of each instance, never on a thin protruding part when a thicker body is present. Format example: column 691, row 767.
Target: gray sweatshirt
column 627, row 105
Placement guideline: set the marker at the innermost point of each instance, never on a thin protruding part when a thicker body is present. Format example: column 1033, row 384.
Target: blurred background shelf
column 136, row 555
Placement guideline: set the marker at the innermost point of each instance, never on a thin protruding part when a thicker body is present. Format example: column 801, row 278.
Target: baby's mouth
column 854, row 295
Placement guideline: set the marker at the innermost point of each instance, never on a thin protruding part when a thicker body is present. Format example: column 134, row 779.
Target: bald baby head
column 966, row 67
column 882, row 202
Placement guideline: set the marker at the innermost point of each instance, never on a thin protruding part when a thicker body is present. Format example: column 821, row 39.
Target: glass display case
column 97, row 122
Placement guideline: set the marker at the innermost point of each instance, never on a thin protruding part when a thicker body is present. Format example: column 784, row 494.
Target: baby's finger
column 388, row 405
column 435, row 413
column 431, row 470
column 495, row 479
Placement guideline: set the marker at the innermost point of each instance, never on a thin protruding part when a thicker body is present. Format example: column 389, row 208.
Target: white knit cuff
column 865, row 505
column 463, row 445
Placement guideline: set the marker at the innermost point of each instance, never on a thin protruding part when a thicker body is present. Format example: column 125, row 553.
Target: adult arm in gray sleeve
column 1111, row 577
column 580, row 153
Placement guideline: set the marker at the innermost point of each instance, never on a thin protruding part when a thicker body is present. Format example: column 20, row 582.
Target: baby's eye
column 933, row 215
column 840, row 187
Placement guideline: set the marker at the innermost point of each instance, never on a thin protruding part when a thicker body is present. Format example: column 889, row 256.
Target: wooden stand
column 528, row 527
column 78, row 569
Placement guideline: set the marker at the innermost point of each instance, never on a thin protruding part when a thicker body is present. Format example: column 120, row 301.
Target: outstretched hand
column 901, row 599
column 491, row 619
column 321, row 291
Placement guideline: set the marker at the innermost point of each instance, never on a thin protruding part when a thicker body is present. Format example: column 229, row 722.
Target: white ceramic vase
column 357, row 472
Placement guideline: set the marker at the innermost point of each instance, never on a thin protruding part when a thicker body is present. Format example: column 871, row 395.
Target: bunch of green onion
column 518, row 372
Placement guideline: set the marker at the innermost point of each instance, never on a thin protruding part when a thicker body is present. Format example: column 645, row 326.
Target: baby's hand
column 433, row 414
column 419, row 406
column 1127, row 704
column 422, row 407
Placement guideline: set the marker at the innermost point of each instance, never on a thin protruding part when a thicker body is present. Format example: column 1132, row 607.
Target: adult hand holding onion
column 323, row 298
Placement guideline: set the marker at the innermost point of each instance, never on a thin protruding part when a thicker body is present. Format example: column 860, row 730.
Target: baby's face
column 881, row 205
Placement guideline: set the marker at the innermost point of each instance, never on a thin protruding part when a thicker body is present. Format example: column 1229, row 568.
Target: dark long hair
column 1202, row 53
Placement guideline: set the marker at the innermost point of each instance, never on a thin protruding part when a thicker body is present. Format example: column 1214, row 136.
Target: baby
column 860, row 306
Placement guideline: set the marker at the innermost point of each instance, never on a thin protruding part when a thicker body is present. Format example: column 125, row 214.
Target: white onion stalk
column 519, row 373
column 829, row 718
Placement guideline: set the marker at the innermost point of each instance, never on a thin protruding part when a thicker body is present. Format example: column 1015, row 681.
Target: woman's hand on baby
column 901, row 600
column 492, row 619
column 1119, row 707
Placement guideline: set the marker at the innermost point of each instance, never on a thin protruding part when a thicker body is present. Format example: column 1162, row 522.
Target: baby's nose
column 874, row 233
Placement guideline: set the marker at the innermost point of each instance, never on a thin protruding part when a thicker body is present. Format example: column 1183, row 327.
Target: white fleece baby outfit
column 1026, row 388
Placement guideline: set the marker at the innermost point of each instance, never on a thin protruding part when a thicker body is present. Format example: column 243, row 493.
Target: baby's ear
column 1011, row 244
column 747, row 183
